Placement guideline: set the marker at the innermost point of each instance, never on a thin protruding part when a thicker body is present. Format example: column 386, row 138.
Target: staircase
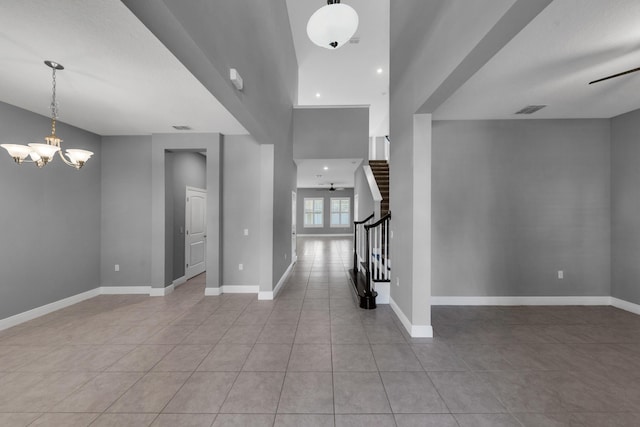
column 371, row 262
column 380, row 169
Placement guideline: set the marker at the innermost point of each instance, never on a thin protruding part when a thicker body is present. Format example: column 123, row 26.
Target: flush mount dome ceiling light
column 41, row 154
column 332, row 25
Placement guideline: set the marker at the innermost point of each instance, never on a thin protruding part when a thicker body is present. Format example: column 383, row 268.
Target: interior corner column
column 421, row 298
column 266, row 220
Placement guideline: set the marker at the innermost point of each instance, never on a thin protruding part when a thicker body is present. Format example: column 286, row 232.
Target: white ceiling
column 340, row 172
column 118, row 78
column 346, row 76
column 551, row 63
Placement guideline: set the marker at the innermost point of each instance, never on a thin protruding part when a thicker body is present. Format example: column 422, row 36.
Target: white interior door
column 294, row 236
column 195, row 254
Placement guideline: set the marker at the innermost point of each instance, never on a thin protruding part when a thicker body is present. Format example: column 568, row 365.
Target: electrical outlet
column 391, row 234
column 240, row 267
column 116, row 267
column 246, row 231
column 560, row 274
column 397, row 281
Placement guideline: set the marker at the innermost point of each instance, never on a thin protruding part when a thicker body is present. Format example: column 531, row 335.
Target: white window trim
column 331, row 212
column 304, row 213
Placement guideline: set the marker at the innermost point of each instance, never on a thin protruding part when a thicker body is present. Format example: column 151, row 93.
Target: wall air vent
column 354, row 40
column 182, row 127
column 530, row 109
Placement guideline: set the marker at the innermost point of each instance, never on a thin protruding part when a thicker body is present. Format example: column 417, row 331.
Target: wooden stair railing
column 376, row 263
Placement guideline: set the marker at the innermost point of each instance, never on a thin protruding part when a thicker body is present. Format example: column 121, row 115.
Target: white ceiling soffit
column 348, row 75
column 551, row 63
column 340, row 172
column 118, row 78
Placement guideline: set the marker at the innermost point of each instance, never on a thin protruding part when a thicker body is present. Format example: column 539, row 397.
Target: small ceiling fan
column 624, row 73
column 331, row 188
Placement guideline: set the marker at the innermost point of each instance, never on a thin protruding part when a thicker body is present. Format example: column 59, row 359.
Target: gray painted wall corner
column 50, row 244
column 625, row 205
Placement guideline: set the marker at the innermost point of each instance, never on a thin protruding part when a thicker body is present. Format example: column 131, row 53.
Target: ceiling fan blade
column 615, row 75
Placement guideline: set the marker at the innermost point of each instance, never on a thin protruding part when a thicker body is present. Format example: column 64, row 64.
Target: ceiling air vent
column 530, row 109
column 182, row 127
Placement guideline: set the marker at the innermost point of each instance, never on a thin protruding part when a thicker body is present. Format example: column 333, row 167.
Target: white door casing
column 195, row 254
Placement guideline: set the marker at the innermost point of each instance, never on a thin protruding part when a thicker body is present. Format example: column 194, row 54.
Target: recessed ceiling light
column 326, row 168
column 317, row 94
column 379, row 70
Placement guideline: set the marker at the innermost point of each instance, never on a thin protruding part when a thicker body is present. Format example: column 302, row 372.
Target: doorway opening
column 185, row 215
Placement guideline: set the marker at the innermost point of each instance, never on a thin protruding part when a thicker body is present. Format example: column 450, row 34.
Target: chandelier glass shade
column 332, row 25
column 43, row 153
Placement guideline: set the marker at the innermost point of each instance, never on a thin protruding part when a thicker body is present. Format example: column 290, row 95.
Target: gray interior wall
column 428, row 40
column 240, row 211
column 625, row 205
column 161, row 259
column 182, row 169
column 50, row 243
column 126, row 211
column 515, row 201
column 331, row 133
column 366, row 205
column 326, row 195
column 284, row 182
column 254, row 37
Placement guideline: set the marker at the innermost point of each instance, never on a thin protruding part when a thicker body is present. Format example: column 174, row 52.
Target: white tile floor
column 313, row 358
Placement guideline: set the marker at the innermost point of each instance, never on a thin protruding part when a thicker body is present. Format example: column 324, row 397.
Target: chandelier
column 332, row 25
column 41, row 154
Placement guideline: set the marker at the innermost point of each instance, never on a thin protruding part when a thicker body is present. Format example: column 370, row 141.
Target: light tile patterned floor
column 312, row 358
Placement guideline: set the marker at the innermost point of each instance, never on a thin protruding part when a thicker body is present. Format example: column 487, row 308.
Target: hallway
column 312, row 358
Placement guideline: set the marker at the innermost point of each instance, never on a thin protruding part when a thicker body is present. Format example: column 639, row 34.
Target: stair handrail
column 355, row 240
column 364, row 220
column 378, row 222
column 383, row 237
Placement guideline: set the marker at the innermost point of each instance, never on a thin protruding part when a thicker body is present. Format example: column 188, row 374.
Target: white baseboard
column 384, row 292
column 212, row 292
column 240, row 289
column 326, row 235
column 160, row 292
column 125, row 290
column 625, row 305
column 270, row 295
column 415, row 331
column 179, row 281
column 553, row 300
column 46, row 309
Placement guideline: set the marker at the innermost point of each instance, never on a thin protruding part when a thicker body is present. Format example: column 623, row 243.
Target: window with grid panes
column 313, row 212
column 340, row 212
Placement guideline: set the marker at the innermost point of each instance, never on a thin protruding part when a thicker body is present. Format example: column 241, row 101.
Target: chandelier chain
column 54, row 101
